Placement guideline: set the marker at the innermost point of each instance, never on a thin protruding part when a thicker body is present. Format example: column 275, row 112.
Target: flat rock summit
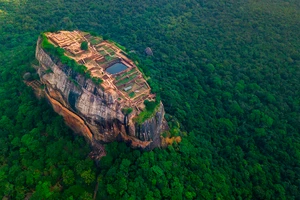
column 98, row 90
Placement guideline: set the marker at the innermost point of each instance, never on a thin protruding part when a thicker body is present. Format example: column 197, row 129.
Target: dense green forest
column 228, row 71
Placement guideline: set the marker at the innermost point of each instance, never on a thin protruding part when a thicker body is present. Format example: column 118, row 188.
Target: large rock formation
column 93, row 111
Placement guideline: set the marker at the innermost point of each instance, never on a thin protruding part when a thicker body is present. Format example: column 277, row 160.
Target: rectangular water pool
column 116, row 68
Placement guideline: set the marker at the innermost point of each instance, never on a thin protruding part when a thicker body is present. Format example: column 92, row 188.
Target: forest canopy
column 227, row 73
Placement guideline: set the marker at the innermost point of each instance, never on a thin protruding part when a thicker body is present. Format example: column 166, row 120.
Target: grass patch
column 108, row 57
column 126, row 80
column 97, row 80
column 95, row 41
column 110, row 51
column 118, row 45
column 48, row 71
column 143, row 116
column 105, row 47
column 125, row 74
column 102, row 52
column 60, row 53
column 101, row 62
column 123, row 81
column 127, row 111
column 151, row 107
column 132, row 76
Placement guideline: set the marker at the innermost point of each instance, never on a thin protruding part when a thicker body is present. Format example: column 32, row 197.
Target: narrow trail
column 95, row 191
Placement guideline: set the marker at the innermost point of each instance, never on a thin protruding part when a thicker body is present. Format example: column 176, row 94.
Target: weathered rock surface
column 95, row 113
column 148, row 51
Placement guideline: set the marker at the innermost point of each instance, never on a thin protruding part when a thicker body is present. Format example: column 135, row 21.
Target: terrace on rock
column 106, row 61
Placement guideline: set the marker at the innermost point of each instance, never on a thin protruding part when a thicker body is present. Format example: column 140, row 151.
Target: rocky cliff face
column 95, row 113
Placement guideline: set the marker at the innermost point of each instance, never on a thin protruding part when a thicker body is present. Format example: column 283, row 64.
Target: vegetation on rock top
column 60, row 54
